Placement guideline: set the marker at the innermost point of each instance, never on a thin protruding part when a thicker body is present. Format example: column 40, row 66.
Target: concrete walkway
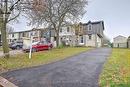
column 81, row 70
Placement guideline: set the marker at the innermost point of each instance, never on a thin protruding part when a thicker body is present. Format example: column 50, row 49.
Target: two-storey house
column 92, row 34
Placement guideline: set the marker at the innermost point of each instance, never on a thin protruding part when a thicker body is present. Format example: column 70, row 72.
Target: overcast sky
column 114, row 13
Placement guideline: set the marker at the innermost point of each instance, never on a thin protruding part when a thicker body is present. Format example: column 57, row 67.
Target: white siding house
column 92, row 34
column 120, row 42
column 67, row 35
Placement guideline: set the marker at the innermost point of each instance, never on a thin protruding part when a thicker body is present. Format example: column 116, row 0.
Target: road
column 81, row 70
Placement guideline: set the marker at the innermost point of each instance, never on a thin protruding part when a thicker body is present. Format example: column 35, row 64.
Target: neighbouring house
column 91, row 34
column 120, row 42
column 37, row 35
column 128, row 42
column 67, row 36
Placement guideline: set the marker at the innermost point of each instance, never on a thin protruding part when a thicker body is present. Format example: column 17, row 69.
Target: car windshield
column 34, row 43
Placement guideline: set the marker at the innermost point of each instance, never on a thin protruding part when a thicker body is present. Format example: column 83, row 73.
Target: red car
column 38, row 46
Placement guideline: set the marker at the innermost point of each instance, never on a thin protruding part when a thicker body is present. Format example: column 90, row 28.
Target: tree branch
column 14, row 17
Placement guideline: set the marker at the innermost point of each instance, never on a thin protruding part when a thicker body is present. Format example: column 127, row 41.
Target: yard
column 1, row 49
column 116, row 71
column 38, row 58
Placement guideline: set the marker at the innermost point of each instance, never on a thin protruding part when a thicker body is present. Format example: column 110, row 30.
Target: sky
column 114, row 13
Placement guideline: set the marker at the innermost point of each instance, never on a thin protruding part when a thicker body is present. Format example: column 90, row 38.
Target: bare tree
column 6, row 8
column 57, row 13
column 10, row 10
column 10, row 29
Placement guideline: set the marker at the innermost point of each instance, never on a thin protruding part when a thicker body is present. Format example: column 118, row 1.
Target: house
column 67, row 36
column 128, row 42
column 37, row 35
column 91, row 34
column 120, row 42
column 82, row 34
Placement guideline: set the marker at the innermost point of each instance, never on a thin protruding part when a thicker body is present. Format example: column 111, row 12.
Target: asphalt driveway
column 81, row 70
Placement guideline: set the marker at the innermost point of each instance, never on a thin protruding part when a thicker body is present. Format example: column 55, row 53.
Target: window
column 89, row 27
column 68, row 30
column 23, row 34
column 82, row 39
column 90, row 36
column 35, row 33
column 61, row 30
column 12, row 35
column 54, row 38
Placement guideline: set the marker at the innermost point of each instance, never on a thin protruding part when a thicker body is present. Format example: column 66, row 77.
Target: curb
column 5, row 83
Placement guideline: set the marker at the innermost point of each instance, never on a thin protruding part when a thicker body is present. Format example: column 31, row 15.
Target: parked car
column 16, row 45
column 38, row 46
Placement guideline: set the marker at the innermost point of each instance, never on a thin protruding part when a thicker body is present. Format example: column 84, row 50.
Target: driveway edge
column 5, row 83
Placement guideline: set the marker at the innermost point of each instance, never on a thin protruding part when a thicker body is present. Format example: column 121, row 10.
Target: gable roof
column 119, row 36
column 34, row 29
column 96, row 22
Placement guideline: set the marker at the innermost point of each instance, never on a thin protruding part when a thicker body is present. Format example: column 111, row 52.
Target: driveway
column 81, row 70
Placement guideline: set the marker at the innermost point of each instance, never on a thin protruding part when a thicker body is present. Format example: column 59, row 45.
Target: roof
column 28, row 30
column 120, row 36
column 96, row 22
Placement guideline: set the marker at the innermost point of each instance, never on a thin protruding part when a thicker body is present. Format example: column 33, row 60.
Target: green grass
column 38, row 58
column 1, row 49
column 116, row 71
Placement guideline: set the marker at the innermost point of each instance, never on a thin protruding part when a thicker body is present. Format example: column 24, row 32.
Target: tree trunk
column 4, row 37
column 4, row 41
column 57, row 39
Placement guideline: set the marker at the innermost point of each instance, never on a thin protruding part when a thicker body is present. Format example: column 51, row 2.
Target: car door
column 39, row 46
column 44, row 45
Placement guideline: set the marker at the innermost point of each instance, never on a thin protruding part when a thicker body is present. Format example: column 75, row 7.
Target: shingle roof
column 96, row 22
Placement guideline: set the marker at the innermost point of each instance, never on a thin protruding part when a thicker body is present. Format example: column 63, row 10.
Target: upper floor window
column 68, row 29
column 89, row 27
column 61, row 30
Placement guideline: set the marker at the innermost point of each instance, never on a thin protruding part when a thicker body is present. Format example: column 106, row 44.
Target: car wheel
column 34, row 50
column 17, row 47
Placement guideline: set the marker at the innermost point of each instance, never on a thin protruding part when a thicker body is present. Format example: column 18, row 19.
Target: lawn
column 1, row 49
column 116, row 71
column 39, row 58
